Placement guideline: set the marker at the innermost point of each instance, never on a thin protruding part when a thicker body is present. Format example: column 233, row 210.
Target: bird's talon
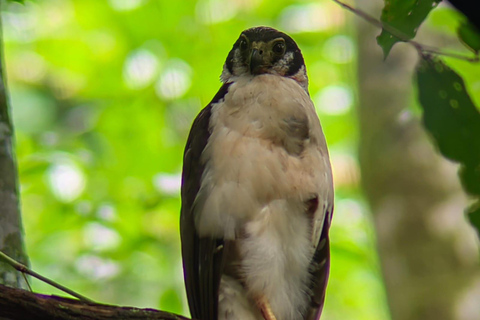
column 265, row 309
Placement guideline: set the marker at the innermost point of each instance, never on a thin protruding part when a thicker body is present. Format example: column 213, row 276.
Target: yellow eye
column 279, row 48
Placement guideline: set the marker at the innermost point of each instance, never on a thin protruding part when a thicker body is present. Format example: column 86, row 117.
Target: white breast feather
column 253, row 187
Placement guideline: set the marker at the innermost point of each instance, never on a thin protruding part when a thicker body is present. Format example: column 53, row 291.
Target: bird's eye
column 279, row 48
column 243, row 44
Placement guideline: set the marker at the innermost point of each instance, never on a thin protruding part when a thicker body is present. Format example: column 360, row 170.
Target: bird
column 257, row 191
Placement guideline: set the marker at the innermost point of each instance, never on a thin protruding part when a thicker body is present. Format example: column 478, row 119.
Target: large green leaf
column 404, row 17
column 449, row 113
column 453, row 120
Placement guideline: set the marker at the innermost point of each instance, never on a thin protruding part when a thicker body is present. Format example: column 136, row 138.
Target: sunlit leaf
column 403, row 16
column 470, row 36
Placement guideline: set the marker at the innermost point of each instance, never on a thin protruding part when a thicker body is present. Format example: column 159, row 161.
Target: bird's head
column 262, row 50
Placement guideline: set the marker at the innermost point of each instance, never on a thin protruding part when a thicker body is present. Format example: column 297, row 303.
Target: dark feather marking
column 218, row 97
column 232, row 266
column 320, row 270
column 202, row 258
column 312, row 206
column 298, row 131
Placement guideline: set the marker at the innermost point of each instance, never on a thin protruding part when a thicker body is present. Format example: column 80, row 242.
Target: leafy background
column 103, row 95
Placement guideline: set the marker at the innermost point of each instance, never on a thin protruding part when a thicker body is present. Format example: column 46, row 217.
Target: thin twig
column 404, row 38
column 26, row 281
column 476, row 58
column 23, row 269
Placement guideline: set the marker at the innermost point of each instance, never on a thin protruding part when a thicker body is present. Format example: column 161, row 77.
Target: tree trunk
column 11, row 232
column 428, row 252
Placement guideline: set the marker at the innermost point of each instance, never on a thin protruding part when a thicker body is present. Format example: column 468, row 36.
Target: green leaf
column 470, row 36
column 470, row 177
column 449, row 113
column 473, row 214
column 404, row 17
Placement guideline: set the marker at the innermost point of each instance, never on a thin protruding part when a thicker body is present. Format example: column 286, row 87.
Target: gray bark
column 428, row 252
column 11, row 233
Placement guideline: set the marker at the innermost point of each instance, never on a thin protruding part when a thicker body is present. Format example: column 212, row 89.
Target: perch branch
column 17, row 304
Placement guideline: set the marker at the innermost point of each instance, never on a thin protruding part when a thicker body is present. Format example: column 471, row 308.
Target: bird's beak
column 256, row 60
column 258, row 57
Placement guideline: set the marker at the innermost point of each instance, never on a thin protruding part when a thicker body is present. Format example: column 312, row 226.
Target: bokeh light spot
column 66, row 180
column 125, row 5
column 167, row 183
column 175, row 79
column 140, row 68
column 334, row 100
column 312, row 17
column 339, row 49
column 96, row 268
column 99, row 237
column 214, row 11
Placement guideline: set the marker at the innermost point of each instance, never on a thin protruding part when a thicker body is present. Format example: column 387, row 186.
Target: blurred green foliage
column 103, row 95
column 449, row 113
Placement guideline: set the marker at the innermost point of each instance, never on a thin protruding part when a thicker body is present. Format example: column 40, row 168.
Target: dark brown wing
column 202, row 257
column 320, row 270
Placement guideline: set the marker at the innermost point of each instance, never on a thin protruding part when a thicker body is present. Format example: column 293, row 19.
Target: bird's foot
column 265, row 309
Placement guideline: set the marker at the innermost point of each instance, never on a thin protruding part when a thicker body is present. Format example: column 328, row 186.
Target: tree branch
column 17, row 304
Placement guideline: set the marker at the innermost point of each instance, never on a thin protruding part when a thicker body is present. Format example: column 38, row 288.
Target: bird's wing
column 320, row 268
column 202, row 257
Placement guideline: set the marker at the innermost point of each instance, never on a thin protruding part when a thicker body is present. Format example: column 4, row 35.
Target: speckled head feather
column 261, row 50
